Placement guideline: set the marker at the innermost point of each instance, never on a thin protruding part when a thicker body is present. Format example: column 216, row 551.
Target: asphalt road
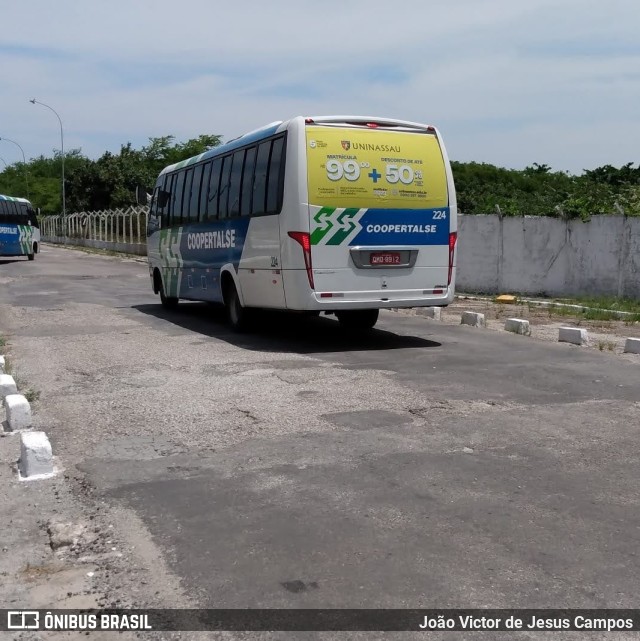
column 424, row 465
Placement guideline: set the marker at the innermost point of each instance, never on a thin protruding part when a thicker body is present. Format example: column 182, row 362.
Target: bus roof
column 15, row 199
column 246, row 139
column 280, row 125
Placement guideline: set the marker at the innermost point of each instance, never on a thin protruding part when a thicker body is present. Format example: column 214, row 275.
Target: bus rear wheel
column 237, row 315
column 31, row 256
column 362, row 319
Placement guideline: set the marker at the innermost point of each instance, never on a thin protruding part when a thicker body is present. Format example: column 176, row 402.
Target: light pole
column 36, row 102
column 24, row 162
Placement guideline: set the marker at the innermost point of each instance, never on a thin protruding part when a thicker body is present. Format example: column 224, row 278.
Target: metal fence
column 119, row 229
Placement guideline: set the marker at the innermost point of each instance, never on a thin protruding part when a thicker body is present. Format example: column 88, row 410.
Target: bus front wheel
column 168, row 302
column 31, row 256
column 362, row 319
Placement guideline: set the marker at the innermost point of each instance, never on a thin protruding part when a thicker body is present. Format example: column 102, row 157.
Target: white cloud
column 507, row 82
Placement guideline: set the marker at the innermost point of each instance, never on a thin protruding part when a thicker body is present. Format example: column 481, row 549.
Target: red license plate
column 384, row 258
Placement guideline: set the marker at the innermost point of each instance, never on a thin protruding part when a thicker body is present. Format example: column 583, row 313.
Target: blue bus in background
column 19, row 231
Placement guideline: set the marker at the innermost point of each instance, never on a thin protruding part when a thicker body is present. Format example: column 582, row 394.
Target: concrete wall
column 541, row 255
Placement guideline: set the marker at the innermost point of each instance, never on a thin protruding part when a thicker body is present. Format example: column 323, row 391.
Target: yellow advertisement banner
column 374, row 169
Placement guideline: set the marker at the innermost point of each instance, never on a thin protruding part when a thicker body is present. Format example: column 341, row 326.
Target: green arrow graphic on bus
column 171, row 257
column 25, row 238
column 334, row 225
column 346, row 226
column 323, row 220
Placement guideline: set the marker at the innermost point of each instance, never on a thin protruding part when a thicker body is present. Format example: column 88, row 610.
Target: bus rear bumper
column 336, row 301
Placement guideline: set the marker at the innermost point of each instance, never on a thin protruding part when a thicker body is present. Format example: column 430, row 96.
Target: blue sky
column 506, row 81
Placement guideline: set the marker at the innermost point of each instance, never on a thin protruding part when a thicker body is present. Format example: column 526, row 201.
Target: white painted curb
column 18, row 412
column 517, row 326
column 2, row 364
column 36, row 457
column 472, row 318
column 632, row 346
column 574, row 335
column 7, row 386
column 430, row 312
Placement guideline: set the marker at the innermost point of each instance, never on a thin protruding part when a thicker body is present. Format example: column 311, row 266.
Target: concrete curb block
column 574, row 335
column 18, row 412
column 429, row 312
column 517, row 326
column 36, row 457
column 473, row 318
column 7, row 386
column 632, row 346
column 2, row 364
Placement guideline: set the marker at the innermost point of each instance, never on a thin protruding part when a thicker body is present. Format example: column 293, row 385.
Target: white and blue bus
column 19, row 232
column 343, row 215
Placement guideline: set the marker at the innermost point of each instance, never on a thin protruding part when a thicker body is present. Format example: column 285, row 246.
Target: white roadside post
column 473, row 319
column 36, row 457
column 7, row 386
column 430, row 312
column 517, row 326
column 632, row 346
column 18, row 412
column 574, row 335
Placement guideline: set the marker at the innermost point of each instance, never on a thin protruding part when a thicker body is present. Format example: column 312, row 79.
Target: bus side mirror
column 143, row 197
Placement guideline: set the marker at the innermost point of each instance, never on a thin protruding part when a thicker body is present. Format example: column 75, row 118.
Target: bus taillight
column 453, row 237
column 304, row 239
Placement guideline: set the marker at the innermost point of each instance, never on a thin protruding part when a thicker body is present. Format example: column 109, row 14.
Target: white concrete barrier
column 472, row 318
column 430, row 312
column 517, row 326
column 7, row 386
column 632, row 346
column 36, row 457
column 2, row 364
column 574, row 335
column 18, row 412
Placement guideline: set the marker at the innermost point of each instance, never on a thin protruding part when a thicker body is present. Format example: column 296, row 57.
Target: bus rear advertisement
column 344, row 215
column 19, row 232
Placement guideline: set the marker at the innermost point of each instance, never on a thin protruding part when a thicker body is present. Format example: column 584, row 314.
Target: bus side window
column 194, row 205
column 260, row 179
column 176, row 201
column 214, row 189
column 235, row 183
column 166, row 214
column 186, row 198
column 223, row 201
column 276, row 177
column 247, row 181
column 204, row 191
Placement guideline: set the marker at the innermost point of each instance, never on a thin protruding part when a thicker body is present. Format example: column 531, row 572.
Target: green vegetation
column 604, row 302
column 537, row 190
column 105, row 183
column 32, row 395
column 110, row 182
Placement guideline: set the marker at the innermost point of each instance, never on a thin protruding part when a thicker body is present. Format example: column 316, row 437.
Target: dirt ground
column 609, row 336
